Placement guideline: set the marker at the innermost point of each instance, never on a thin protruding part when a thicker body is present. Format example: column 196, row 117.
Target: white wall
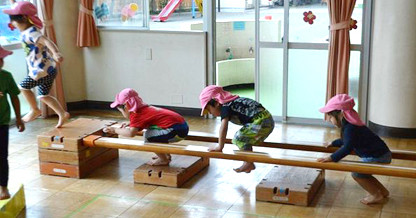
column 174, row 77
column 66, row 23
column 392, row 92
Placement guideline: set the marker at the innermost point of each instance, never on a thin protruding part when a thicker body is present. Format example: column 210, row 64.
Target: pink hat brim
column 326, row 109
column 114, row 104
column 11, row 11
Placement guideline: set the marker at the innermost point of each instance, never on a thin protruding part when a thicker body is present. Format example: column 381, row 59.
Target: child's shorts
column 44, row 84
column 254, row 133
column 385, row 158
column 174, row 133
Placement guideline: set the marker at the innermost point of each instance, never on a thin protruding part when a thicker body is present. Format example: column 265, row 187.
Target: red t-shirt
column 149, row 115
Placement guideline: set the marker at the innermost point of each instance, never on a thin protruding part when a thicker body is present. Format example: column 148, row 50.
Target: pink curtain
column 340, row 12
column 46, row 13
column 87, row 31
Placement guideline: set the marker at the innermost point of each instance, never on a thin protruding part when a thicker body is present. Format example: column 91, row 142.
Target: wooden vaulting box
column 61, row 152
column 290, row 185
column 181, row 169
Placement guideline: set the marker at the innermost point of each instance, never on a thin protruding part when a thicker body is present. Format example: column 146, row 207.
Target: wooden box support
column 180, row 170
column 78, row 171
column 290, row 185
column 61, row 151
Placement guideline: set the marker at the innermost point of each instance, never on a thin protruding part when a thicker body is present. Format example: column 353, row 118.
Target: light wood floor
column 216, row 192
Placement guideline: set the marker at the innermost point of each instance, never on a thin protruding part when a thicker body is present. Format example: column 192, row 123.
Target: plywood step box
column 180, row 170
column 290, row 185
column 61, row 150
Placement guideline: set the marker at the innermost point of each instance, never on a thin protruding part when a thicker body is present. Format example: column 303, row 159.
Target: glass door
column 235, row 46
column 292, row 57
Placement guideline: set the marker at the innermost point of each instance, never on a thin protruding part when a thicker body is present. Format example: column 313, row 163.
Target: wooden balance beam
column 261, row 157
column 295, row 145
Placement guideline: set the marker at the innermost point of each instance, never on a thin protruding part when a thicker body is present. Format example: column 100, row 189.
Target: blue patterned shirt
column 38, row 57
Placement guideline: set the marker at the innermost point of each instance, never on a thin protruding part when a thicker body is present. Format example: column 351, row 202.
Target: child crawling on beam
column 257, row 122
column 161, row 125
column 355, row 136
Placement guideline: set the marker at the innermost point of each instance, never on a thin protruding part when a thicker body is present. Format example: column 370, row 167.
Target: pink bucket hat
column 131, row 97
column 217, row 93
column 25, row 8
column 346, row 104
column 4, row 53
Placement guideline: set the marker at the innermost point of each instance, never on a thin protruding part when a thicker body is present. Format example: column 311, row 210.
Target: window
column 179, row 15
column 120, row 13
column 7, row 36
column 176, row 15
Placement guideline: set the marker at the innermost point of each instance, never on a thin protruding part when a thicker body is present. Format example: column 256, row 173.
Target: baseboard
column 386, row 131
column 74, row 106
column 103, row 105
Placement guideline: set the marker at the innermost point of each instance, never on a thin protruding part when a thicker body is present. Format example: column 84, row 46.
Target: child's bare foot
column 168, row 156
column 246, row 167
column 33, row 114
column 372, row 199
column 62, row 119
column 4, row 194
column 158, row 162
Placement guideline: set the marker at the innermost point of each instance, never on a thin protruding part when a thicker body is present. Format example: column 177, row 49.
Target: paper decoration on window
column 11, row 27
column 353, row 24
column 309, row 17
column 128, row 11
column 101, row 11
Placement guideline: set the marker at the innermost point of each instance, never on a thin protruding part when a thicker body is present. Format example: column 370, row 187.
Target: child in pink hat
column 257, row 122
column 161, row 125
column 7, row 86
column 355, row 136
column 41, row 57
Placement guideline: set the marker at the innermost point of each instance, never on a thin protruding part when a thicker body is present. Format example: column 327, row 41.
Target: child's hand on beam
column 109, row 130
column 325, row 159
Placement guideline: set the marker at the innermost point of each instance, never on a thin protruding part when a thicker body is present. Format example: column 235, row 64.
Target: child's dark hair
column 18, row 18
column 212, row 102
column 335, row 113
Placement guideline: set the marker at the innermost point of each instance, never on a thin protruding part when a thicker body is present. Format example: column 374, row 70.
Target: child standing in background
column 41, row 54
column 355, row 136
column 161, row 125
column 7, row 86
column 257, row 122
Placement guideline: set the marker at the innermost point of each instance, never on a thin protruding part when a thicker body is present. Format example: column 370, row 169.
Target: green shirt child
column 7, row 86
